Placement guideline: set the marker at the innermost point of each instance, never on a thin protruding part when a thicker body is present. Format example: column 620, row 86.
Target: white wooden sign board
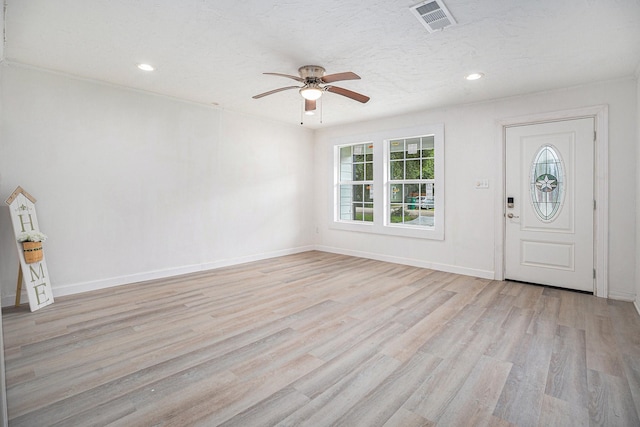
column 35, row 275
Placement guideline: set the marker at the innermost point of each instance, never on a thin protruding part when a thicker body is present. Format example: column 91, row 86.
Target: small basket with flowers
column 32, row 245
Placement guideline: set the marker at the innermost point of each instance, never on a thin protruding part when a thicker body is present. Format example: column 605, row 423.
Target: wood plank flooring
column 318, row 339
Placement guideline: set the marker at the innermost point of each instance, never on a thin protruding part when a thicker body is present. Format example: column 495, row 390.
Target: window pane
column 369, row 153
column 358, row 193
column 396, row 213
column 346, row 172
column 346, row 211
column 413, row 148
column 345, row 152
column 412, row 190
column 425, row 218
column 547, row 183
column 397, row 170
column 427, row 169
column 396, row 150
column 368, row 214
column 368, row 193
column 427, row 146
column 426, row 201
column 430, row 204
column 358, row 153
column 413, row 169
column 396, row 194
column 358, row 172
column 368, row 171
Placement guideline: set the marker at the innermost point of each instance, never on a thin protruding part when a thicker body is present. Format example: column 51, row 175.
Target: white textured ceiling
column 215, row 51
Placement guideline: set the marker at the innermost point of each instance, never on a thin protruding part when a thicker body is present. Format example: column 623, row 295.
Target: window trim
column 380, row 224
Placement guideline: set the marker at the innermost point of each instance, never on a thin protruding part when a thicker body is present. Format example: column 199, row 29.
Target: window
column 547, row 183
column 405, row 177
column 411, row 181
column 355, row 184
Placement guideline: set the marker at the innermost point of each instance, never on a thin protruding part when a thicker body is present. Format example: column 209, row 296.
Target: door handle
column 510, row 215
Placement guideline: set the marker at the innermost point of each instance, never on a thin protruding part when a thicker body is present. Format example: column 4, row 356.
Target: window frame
column 351, row 182
column 405, row 181
column 381, row 184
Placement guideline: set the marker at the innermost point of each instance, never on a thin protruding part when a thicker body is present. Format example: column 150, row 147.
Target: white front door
column 549, row 221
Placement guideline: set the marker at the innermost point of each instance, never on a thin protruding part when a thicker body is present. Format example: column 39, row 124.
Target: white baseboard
column 622, row 296
column 257, row 257
column 483, row 274
column 76, row 288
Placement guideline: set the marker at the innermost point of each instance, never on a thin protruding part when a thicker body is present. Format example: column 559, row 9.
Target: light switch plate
column 482, row 183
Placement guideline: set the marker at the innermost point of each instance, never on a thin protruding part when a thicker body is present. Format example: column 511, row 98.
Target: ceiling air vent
column 433, row 14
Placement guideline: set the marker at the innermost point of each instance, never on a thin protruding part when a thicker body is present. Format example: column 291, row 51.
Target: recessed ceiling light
column 146, row 67
column 474, row 76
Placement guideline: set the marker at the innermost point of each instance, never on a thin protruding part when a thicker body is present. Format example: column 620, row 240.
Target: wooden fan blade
column 309, row 105
column 348, row 93
column 300, row 79
column 340, row 76
column 275, row 91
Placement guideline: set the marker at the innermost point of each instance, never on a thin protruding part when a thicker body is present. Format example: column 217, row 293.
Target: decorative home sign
column 33, row 267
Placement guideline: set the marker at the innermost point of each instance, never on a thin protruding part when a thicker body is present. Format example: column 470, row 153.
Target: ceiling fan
column 315, row 83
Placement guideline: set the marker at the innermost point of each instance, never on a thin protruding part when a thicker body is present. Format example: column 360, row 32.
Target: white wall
column 3, row 393
column 132, row 186
column 637, row 301
column 471, row 152
column 2, row 30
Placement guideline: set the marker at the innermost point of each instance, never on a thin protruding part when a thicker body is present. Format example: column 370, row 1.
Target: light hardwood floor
column 318, row 339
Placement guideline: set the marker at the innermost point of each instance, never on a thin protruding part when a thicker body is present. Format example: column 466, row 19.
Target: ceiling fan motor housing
column 311, row 73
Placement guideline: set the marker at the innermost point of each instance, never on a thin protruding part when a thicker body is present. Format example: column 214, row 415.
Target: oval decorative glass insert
column 547, row 183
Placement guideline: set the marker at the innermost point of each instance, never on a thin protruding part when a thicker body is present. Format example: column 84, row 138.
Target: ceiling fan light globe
column 311, row 93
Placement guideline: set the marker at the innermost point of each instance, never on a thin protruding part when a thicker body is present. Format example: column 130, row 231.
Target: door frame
column 600, row 115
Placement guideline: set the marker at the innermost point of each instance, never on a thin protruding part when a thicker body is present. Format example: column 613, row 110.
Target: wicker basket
column 32, row 251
